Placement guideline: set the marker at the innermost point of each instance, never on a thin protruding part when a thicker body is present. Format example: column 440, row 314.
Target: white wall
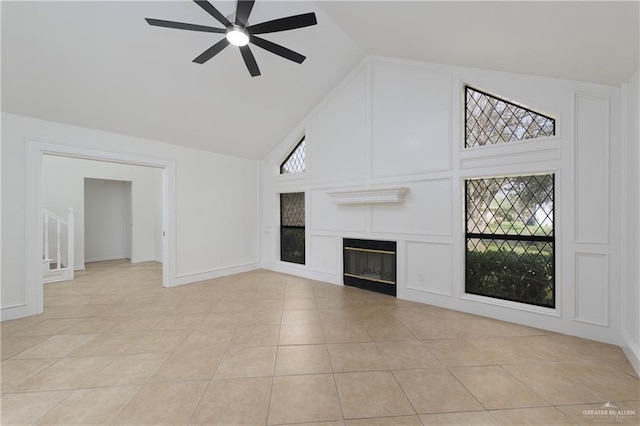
column 400, row 123
column 630, row 212
column 63, row 183
column 213, row 209
column 104, row 219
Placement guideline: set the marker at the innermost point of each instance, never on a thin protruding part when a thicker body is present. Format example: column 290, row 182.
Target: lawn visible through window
column 510, row 238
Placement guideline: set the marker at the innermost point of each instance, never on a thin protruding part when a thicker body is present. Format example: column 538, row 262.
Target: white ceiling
column 99, row 65
column 578, row 40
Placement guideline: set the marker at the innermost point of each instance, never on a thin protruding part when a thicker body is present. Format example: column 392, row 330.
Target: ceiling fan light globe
column 238, row 37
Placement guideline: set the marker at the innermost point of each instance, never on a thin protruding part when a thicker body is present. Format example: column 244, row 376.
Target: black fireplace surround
column 370, row 265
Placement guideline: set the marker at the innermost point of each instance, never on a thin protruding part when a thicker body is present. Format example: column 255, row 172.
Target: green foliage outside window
column 510, row 239
column 525, row 277
column 292, row 245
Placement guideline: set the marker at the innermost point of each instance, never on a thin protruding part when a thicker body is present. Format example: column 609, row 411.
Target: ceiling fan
column 239, row 33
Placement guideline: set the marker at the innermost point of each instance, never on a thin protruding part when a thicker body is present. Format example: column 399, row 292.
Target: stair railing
column 64, row 262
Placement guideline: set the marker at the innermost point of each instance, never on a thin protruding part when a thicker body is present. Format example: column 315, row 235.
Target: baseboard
column 16, row 311
column 302, row 271
column 209, row 275
column 54, row 279
column 150, row 259
column 102, row 259
column 632, row 351
column 144, row 260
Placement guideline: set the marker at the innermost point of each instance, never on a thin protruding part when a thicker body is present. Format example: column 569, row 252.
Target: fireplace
column 370, row 265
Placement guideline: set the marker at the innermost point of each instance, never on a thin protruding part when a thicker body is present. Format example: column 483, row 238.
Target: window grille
column 292, row 227
column 295, row 162
column 510, row 238
column 490, row 120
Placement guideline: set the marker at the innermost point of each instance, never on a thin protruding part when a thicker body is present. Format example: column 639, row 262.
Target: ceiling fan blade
column 243, row 10
column 208, row 7
column 183, row 26
column 212, row 51
column 277, row 49
column 250, row 61
column 284, row 24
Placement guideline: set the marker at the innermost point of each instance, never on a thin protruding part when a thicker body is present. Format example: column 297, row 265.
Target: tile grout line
column 125, row 405
column 363, row 305
column 404, row 393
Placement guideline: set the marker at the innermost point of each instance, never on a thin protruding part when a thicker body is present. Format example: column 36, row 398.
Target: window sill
column 553, row 312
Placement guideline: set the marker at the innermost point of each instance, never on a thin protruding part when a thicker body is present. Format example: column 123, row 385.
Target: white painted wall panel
column 410, row 101
column 592, row 288
column 337, row 145
column 411, row 120
column 426, row 210
column 324, row 254
column 223, row 195
column 429, row 267
column 592, row 169
column 327, row 215
column 268, row 245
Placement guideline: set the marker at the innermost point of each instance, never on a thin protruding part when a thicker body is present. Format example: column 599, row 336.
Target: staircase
column 58, row 247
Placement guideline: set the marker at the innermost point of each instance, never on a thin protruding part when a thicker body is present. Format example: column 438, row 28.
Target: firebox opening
column 370, row 265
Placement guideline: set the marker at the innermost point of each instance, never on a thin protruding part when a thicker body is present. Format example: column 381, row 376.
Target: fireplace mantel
column 370, row 196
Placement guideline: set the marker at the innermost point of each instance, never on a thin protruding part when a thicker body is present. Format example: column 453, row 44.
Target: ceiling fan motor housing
column 237, row 35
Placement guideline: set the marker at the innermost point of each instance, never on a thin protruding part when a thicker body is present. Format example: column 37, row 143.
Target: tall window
column 490, row 120
column 510, row 238
column 292, row 227
column 295, row 162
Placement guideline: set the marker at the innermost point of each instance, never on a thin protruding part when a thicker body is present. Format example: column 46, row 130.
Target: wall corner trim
column 632, row 352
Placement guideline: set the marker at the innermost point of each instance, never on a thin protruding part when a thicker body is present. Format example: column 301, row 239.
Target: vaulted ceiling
column 99, row 65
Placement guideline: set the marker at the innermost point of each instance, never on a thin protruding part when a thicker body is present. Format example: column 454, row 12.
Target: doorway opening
column 108, row 227
column 35, row 153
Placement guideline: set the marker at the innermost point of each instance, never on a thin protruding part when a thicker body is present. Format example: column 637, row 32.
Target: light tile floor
column 262, row 348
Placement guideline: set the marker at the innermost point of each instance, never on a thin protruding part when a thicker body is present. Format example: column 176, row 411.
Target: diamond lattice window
column 292, row 227
column 295, row 162
column 510, row 239
column 490, row 120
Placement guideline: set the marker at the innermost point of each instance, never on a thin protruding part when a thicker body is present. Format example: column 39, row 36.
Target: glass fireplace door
column 370, row 265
